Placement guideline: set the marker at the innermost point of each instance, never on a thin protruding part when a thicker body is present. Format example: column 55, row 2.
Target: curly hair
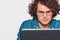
column 51, row 4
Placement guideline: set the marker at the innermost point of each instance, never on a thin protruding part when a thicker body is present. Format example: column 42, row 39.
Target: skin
column 44, row 15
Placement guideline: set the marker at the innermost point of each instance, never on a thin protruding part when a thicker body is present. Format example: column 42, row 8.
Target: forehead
column 42, row 7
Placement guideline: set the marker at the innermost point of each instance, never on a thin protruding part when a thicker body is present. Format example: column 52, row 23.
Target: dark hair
column 51, row 4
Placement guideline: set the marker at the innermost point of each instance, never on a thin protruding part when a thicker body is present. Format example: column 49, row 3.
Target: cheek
column 38, row 16
column 49, row 17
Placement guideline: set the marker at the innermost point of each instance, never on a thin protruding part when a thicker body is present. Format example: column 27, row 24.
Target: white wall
column 12, row 14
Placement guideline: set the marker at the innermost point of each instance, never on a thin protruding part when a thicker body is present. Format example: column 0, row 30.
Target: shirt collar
column 50, row 25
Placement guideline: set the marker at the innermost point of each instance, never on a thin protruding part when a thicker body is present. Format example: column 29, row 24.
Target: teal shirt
column 33, row 24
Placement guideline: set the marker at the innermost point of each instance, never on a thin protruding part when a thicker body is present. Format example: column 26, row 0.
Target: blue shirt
column 31, row 24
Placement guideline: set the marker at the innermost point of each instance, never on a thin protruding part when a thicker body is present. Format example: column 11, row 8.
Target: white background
column 12, row 14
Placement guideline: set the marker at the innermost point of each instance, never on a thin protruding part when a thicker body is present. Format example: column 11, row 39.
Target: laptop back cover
column 40, row 34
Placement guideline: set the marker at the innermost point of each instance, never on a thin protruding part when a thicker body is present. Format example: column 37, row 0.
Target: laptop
column 37, row 34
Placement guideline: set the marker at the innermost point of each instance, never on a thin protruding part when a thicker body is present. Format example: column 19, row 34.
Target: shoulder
column 27, row 21
column 27, row 24
column 56, row 23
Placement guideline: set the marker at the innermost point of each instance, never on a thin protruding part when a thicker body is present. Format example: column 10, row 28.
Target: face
column 44, row 14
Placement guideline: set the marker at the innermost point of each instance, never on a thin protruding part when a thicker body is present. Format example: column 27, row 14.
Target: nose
column 44, row 15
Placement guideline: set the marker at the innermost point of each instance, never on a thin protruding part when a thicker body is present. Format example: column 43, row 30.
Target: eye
column 40, row 12
column 48, row 11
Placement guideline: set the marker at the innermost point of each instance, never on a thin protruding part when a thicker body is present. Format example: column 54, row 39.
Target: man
column 43, row 12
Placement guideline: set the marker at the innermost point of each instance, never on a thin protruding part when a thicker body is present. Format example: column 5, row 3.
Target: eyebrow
column 43, row 11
